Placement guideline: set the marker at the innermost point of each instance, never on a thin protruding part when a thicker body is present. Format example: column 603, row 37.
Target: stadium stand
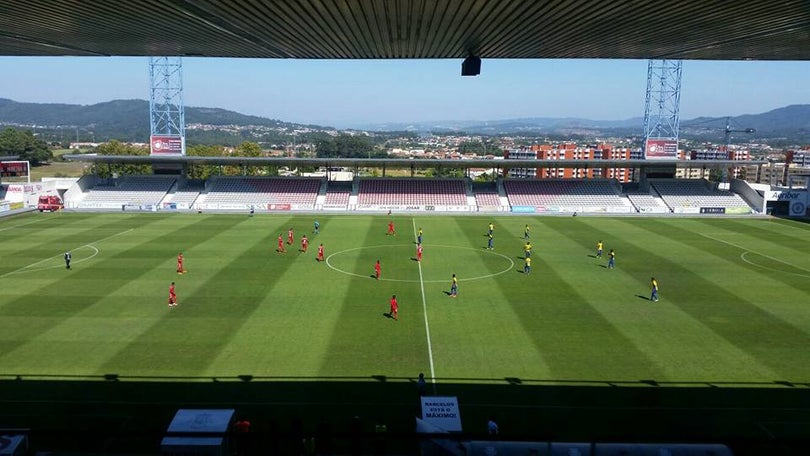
column 300, row 193
column 690, row 195
column 233, row 192
column 184, row 198
column 134, row 190
column 647, row 203
column 337, row 198
column 412, row 192
column 591, row 195
column 487, row 199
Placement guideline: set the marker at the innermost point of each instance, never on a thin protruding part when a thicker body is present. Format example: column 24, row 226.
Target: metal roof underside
column 409, row 29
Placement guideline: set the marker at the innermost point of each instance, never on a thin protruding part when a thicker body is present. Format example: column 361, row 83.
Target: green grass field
column 557, row 353
column 734, row 298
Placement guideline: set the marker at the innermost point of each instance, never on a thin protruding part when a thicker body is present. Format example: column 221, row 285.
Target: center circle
column 403, row 256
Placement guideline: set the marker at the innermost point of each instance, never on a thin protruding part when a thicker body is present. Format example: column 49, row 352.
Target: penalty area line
column 424, row 311
column 747, row 250
column 88, row 245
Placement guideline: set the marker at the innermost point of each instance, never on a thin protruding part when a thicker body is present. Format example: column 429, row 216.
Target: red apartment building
column 570, row 151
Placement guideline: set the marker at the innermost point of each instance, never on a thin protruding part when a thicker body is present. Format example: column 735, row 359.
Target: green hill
column 120, row 119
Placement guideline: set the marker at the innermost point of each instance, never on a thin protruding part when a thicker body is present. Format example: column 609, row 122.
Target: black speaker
column 471, row 66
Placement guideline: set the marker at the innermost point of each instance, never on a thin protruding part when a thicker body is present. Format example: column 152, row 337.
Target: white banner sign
column 442, row 412
column 785, row 195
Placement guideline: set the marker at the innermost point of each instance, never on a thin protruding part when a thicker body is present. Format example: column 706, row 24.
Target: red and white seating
column 337, row 197
column 262, row 191
column 487, row 198
column 412, row 192
column 600, row 195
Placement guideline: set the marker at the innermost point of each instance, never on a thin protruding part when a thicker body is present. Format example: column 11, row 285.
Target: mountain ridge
column 130, row 119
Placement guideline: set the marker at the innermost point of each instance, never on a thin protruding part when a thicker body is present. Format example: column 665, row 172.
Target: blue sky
column 354, row 92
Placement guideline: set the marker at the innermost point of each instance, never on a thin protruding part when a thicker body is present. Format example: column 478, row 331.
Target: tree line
column 26, row 146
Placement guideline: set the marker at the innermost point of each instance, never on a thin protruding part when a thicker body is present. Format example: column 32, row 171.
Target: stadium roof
column 401, row 163
column 405, row 29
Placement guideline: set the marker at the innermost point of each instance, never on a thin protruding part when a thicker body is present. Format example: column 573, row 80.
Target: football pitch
column 734, row 297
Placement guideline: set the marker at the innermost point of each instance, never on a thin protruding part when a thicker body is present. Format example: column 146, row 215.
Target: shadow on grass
column 130, row 414
column 643, row 297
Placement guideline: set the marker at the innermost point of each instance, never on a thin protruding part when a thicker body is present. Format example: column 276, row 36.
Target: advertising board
column 167, row 145
column 661, row 149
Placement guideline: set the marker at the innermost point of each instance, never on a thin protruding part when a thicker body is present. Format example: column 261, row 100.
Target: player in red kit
column 391, row 230
column 180, row 269
column 172, row 296
column 290, row 236
column 419, row 252
column 280, row 248
column 320, row 252
column 377, row 270
column 394, row 308
column 304, row 243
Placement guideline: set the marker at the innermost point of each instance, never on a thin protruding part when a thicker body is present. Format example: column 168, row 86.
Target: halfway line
column 424, row 309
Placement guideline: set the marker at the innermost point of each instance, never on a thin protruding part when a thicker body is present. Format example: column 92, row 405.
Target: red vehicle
column 49, row 203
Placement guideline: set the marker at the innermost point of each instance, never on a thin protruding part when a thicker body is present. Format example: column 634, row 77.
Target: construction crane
column 727, row 142
column 729, row 131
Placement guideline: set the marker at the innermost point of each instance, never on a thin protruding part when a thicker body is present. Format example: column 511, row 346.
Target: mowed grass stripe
column 572, row 317
column 32, row 227
column 715, row 257
column 763, row 281
column 474, row 335
column 773, row 342
column 663, row 331
column 59, row 286
column 504, row 326
column 562, row 326
column 189, row 337
column 20, row 220
column 794, row 227
column 72, row 295
column 35, row 225
column 288, row 334
column 792, row 236
column 779, row 253
column 47, row 244
column 363, row 341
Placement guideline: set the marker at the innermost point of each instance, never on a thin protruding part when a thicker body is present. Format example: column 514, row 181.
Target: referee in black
column 67, row 260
